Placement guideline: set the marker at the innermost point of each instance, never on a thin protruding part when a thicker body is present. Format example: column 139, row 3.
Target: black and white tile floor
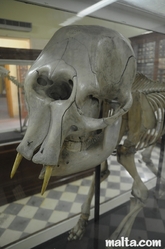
column 32, row 214
column 149, row 225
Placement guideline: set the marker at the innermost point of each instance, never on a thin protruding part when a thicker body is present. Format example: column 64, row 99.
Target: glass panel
column 13, row 109
column 23, row 211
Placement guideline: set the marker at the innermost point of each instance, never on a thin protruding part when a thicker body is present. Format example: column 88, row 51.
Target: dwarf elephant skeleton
column 76, row 92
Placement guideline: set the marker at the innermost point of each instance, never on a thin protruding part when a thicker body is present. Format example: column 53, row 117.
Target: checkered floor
column 149, row 225
column 29, row 215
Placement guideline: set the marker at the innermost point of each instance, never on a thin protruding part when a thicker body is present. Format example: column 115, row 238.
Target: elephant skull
column 79, row 70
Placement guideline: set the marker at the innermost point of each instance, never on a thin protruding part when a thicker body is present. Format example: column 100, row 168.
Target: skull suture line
column 80, row 68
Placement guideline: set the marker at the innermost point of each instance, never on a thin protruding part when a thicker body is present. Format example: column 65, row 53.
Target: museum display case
column 27, row 218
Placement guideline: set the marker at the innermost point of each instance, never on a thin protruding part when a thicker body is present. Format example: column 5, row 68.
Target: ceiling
column 148, row 14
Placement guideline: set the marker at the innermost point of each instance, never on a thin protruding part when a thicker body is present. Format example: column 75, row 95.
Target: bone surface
column 80, row 68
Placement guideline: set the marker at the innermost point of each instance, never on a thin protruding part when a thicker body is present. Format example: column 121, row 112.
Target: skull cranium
column 80, row 68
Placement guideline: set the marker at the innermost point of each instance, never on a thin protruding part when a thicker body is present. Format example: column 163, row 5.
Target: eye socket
column 44, row 81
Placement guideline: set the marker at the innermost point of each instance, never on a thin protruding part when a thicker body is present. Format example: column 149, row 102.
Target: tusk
column 16, row 164
column 46, row 178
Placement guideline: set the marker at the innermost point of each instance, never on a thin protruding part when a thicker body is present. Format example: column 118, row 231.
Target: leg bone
column 124, row 229
column 78, row 231
column 125, row 156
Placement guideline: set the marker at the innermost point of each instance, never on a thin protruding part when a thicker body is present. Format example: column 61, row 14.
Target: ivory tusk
column 16, row 164
column 47, row 176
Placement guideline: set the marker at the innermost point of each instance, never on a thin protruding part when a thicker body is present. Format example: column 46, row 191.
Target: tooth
column 46, row 178
column 16, row 164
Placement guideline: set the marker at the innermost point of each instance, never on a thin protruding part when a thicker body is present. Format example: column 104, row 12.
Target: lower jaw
column 76, row 157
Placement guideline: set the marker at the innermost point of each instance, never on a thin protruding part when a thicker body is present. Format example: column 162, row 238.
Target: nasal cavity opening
column 60, row 90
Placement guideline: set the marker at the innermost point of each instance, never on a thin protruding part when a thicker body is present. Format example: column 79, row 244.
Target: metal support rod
column 19, row 106
column 97, row 193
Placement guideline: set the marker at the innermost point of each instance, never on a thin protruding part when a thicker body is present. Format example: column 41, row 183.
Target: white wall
column 45, row 22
